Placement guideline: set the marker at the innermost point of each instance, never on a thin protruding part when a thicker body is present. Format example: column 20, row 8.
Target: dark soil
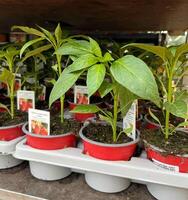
column 103, row 134
column 6, row 120
column 42, row 105
column 58, row 128
column 177, row 143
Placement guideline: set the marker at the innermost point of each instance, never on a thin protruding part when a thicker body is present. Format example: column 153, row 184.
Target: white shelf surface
column 139, row 169
column 8, row 147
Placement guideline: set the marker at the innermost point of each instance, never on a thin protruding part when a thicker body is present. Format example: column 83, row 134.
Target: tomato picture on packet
column 25, row 100
column 81, row 95
column 39, row 122
column 38, row 127
column 25, row 104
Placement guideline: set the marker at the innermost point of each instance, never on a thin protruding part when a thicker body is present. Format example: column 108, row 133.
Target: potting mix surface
column 177, row 143
column 103, row 134
column 6, row 120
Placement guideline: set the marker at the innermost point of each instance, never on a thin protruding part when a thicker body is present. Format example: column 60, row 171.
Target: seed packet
column 42, row 94
column 130, row 120
column 81, row 94
column 25, row 100
column 39, row 122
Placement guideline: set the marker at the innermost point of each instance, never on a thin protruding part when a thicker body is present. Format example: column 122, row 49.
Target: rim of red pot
column 71, row 102
column 11, row 126
column 105, row 144
column 162, row 150
column 149, row 121
column 155, row 124
column 42, row 136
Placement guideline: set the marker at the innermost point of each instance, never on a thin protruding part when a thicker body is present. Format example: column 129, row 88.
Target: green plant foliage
column 127, row 78
column 55, row 40
column 174, row 102
column 128, row 69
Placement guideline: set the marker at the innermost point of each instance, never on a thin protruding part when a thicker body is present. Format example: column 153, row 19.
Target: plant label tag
column 130, row 120
column 172, row 168
column 25, row 100
column 42, row 94
column 39, row 122
column 81, row 94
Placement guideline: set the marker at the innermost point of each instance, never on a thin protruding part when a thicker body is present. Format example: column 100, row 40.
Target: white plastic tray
column 139, row 169
column 9, row 147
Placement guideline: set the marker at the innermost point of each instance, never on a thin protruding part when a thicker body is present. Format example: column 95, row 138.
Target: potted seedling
column 62, row 131
column 34, row 76
column 55, row 40
column 11, row 121
column 127, row 78
column 167, row 145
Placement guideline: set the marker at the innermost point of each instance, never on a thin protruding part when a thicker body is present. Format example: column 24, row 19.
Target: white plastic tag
column 130, row 119
column 25, row 100
column 39, row 122
column 172, row 168
column 81, row 94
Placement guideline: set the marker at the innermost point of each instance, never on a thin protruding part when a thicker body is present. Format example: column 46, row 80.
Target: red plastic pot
column 149, row 124
column 8, row 133
column 180, row 163
column 81, row 117
column 50, row 142
column 111, row 152
column 2, row 109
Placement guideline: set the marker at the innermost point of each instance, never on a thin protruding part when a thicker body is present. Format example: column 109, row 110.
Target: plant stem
column 35, row 74
column 12, row 98
column 62, row 108
column 115, row 116
column 62, row 98
column 169, row 100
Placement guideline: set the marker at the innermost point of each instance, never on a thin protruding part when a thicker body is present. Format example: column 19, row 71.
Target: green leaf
column 154, row 117
column 95, row 47
column 83, row 62
column 95, row 77
column 36, row 51
column 86, row 109
column 107, row 119
column 63, row 84
column 107, row 57
column 27, row 44
column 74, row 48
column 128, row 130
column 42, row 57
column 49, row 36
column 181, row 95
column 55, row 67
column 29, row 30
column 58, row 33
column 178, row 108
column 52, row 81
column 5, row 107
column 162, row 52
column 6, row 76
column 73, row 58
column 105, row 88
column 134, row 74
column 182, row 49
column 126, row 99
column 182, row 124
